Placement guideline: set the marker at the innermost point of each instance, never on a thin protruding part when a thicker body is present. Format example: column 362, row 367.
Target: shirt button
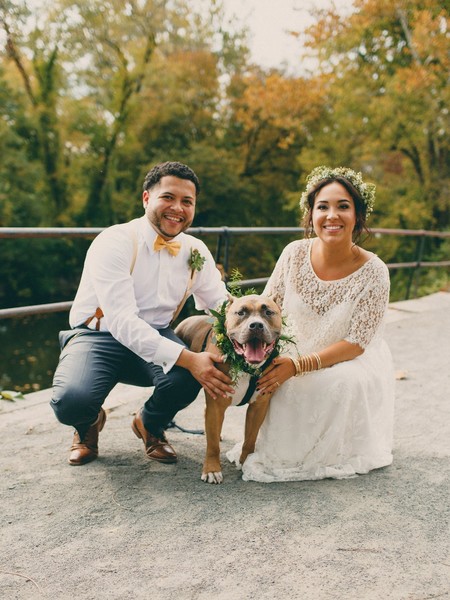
column 164, row 364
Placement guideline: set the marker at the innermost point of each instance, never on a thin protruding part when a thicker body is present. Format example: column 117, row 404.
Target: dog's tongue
column 254, row 351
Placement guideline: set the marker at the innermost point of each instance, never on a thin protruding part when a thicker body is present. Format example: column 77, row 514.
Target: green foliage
column 37, row 271
column 237, row 362
column 93, row 93
column 234, row 284
column 386, row 69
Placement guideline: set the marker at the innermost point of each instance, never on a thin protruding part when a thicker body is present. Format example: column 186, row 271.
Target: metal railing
column 225, row 234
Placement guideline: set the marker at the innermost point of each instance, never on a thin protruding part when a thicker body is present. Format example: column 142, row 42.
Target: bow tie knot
column 172, row 247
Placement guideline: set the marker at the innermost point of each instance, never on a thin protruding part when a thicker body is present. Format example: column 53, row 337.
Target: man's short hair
column 174, row 169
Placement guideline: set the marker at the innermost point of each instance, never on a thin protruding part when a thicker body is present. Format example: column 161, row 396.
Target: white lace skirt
column 334, row 423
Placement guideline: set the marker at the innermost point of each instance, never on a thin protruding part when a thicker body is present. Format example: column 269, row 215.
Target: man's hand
column 201, row 366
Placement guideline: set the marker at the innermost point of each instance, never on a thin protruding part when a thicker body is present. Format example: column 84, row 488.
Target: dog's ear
column 272, row 302
column 231, row 299
column 275, row 304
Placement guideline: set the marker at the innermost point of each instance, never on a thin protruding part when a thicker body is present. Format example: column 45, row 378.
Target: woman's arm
column 283, row 367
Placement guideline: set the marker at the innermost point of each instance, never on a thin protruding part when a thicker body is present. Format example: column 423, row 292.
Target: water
column 29, row 351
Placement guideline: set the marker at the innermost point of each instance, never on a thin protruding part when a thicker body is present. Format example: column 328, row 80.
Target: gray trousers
column 90, row 365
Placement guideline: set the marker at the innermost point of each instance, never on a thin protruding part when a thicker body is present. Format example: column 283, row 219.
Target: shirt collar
column 150, row 234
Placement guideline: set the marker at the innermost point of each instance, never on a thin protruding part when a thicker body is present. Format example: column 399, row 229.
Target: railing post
column 218, row 248
column 226, row 252
column 223, row 241
column 418, row 259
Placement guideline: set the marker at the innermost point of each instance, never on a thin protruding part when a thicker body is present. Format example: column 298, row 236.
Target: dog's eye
column 267, row 310
column 241, row 312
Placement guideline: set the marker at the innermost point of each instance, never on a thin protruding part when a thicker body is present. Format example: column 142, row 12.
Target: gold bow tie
column 172, row 247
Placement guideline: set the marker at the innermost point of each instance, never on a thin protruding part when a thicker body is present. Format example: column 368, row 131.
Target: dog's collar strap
column 250, row 391
column 205, row 341
column 254, row 380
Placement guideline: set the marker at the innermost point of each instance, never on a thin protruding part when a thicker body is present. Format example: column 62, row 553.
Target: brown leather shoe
column 156, row 448
column 85, row 451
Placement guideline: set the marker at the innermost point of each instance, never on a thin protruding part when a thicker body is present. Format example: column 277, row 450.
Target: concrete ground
column 126, row 528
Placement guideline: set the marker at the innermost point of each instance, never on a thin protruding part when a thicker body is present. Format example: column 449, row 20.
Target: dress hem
column 349, row 470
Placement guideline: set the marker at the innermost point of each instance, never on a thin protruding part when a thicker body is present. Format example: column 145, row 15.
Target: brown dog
column 253, row 324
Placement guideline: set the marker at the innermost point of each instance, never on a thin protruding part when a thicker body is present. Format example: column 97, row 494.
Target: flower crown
column 366, row 190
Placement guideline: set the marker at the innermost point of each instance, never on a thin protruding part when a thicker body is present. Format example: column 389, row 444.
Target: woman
column 332, row 413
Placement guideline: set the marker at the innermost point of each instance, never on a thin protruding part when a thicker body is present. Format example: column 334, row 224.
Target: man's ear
column 145, row 195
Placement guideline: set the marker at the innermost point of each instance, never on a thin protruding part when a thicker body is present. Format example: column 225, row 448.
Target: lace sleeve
column 276, row 286
column 371, row 308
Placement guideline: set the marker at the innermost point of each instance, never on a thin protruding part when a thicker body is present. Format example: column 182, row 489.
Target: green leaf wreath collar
column 238, row 364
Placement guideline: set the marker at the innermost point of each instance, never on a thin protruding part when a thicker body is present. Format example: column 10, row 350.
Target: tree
column 85, row 70
column 39, row 76
column 385, row 68
column 20, row 177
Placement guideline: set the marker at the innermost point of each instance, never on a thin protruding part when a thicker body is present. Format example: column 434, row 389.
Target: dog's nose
column 256, row 325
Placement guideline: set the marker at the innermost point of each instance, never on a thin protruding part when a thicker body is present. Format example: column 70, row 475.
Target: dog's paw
column 212, row 477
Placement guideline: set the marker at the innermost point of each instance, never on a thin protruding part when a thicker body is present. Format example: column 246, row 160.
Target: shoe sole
column 80, row 464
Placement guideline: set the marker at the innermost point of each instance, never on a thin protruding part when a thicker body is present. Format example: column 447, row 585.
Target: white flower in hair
column 366, row 190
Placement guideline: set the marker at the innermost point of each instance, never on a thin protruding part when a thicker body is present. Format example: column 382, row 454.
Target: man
column 135, row 277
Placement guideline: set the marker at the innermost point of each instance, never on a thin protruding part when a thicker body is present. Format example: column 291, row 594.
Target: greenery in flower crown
column 196, row 260
column 366, row 190
column 237, row 363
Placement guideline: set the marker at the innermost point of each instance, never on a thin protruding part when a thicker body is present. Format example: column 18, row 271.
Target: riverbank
column 125, row 528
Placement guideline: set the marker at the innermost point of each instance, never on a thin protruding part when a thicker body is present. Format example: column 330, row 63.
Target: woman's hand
column 280, row 370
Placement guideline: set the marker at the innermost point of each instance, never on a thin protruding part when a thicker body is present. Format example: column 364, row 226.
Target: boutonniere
column 196, row 260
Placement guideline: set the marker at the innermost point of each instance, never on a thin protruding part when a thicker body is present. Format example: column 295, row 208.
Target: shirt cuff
column 167, row 354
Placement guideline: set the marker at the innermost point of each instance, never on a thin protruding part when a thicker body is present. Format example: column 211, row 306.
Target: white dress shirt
column 137, row 304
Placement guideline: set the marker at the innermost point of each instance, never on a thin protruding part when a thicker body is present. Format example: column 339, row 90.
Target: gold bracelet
column 304, row 361
column 310, row 363
column 305, row 364
column 296, row 366
column 319, row 362
column 302, row 366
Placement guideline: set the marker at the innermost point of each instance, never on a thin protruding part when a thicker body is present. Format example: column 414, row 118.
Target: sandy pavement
column 126, row 528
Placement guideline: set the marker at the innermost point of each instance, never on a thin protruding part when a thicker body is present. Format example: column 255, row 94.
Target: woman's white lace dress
column 336, row 422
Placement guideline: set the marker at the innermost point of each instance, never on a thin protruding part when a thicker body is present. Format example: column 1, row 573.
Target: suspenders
column 99, row 313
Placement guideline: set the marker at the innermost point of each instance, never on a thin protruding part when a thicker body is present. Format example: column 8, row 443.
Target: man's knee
column 73, row 404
